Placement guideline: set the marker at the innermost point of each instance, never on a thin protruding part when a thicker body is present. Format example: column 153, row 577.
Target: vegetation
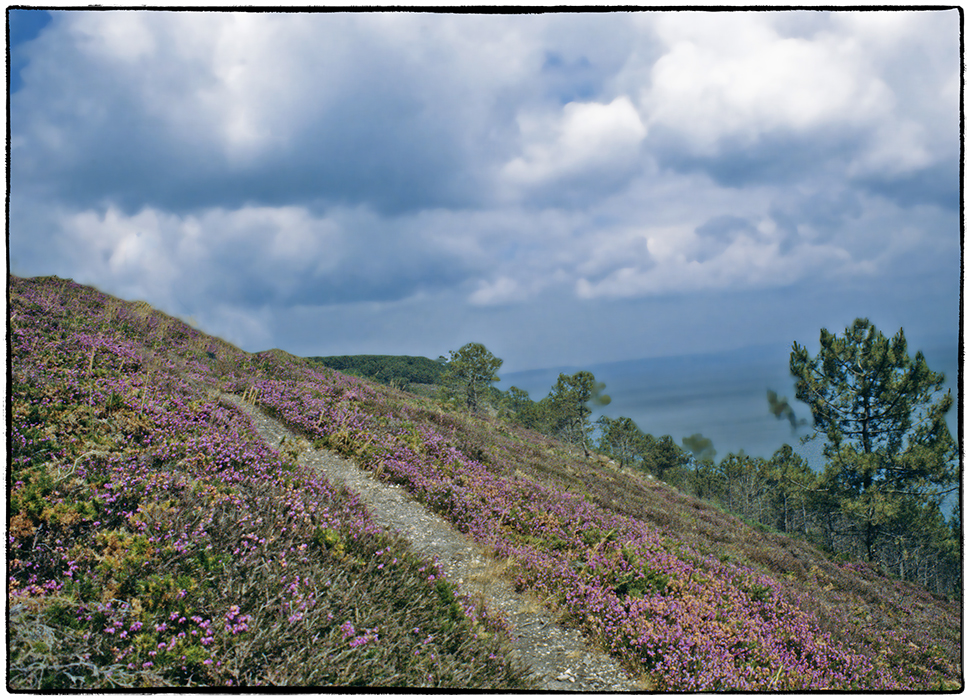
column 700, row 447
column 678, row 591
column 569, row 407
column 891, row 458
column 121, row 446
column 154, row 540
column 621, row 438
column 470, row 373
column 401, row 371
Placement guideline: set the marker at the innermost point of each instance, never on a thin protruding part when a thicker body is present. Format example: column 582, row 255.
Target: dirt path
column 559, row 657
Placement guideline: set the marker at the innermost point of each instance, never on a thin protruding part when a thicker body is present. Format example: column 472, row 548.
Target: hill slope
column 154, row 540
column 113, row 456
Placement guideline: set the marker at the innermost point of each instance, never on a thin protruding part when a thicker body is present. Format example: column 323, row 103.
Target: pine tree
column 660, row 455
column 620, row 438
column 882, row 415
column 790, row 481
column 570, row 399
column 470, row 372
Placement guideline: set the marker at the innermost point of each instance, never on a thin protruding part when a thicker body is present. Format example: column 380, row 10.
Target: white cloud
column 746, row 263
column 112, row 36
column 610, row 250
column 670, row 243
column 503, row 290
column 888, row 30
column 895, row 148
column 173, row 257
column 584, row 137
column 917, row 55
column 272, row 255
column 735, row 76
column 132, row 251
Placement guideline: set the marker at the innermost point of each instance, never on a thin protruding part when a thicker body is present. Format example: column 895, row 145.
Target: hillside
column 154, row 540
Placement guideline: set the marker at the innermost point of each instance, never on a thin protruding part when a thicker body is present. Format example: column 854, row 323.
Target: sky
column 565, row 188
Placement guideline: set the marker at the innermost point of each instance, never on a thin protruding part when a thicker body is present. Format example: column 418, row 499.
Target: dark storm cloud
column 937, row 185
column 582, row 189
column 368, row 163
column 376, row 139
column 395, row 273
column 781, row 160
column 774, row 158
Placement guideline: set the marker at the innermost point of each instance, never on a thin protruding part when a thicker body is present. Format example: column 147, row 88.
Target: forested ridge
column 154, row 541
column 401, row 371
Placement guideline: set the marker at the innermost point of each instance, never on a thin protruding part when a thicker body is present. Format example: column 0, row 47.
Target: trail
column 559, row 657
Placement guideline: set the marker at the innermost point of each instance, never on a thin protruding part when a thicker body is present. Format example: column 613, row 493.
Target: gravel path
column 559, row 657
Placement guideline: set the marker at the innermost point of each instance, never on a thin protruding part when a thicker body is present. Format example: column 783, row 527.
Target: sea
column 723, row 396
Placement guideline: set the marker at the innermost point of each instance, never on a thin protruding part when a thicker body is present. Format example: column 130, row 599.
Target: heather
column 140, row 501
column 677, row 610
column 155, row 541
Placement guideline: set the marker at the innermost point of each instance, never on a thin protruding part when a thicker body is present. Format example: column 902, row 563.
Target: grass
column 111, row 413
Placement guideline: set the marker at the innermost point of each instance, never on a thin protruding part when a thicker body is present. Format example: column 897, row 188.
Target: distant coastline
column 722, row 395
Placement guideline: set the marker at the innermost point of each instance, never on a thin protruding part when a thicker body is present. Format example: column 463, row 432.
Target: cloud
column 936, row 185
column 832, row 237
column 251, row 257
column 503, row 290
column 737, row 78
column 191, row 110
column 684, row 260
column 757, row 98
column 314, row 166
column 586, row 139
column 403, row 111
column 717, row 234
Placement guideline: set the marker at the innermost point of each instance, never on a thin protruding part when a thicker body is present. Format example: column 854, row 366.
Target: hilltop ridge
column 140, row 503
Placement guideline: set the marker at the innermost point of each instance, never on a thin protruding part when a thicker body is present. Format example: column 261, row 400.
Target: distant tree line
column 400, row 371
